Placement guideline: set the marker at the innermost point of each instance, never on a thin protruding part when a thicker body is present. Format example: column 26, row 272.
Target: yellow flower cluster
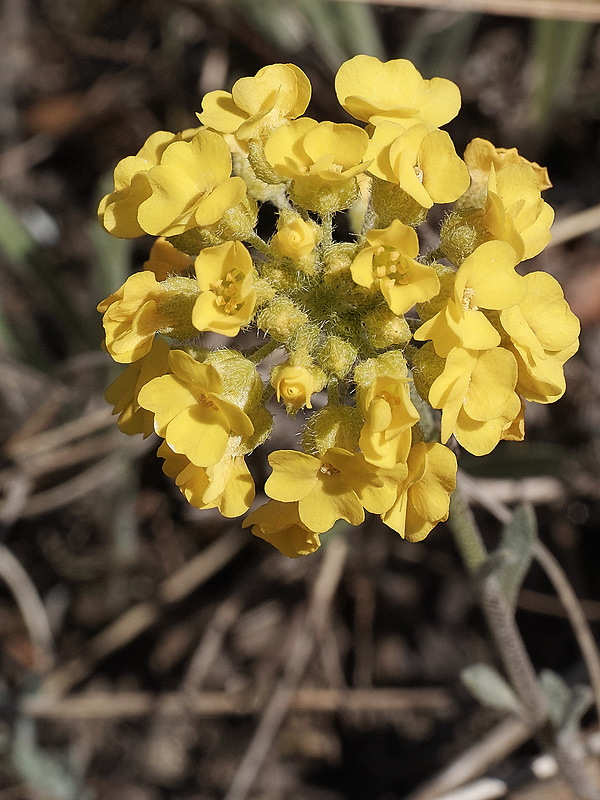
column 383, row 327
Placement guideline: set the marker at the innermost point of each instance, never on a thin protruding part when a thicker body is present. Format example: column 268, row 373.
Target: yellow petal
column 219, row 111
column 294, row 475
column 445, row 175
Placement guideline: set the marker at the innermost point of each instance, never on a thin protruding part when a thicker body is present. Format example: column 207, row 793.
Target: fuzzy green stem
column 507, row 637
column 333, row 393
column 257, row 354
column 256, row 242
column 327, row 228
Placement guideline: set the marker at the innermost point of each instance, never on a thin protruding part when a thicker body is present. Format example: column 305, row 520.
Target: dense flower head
column 386, row 346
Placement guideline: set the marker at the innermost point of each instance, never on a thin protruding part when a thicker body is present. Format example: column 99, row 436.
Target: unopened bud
column 390, row 202
column 281, row 319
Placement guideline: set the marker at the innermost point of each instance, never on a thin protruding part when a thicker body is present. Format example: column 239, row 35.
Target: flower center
column 328, row 469
column 227, row 291
column 467, row 297
column 387, row 265
column 205, row 400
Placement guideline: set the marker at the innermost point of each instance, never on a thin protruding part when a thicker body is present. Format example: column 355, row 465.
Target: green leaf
column 489, row 687
column 566, row 705
column 516, row 549
column 558, row 696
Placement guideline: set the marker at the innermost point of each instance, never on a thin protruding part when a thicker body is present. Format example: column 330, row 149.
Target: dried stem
column 579, row 623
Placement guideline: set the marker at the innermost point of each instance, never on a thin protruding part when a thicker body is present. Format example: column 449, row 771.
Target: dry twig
column 133, row 705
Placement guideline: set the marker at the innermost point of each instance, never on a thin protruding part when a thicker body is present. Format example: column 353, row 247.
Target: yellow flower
column 141, row 308
column 279, row 524
column 544, row 334
column 515, row 212
column 226, row 485
column 424, row 497
column 191, row 413
column 118, row 210
column 295, row 237
column 389, row 413
column 485, row 280
column 320, row 158
column 165, row 260
column 339, row 485
column 420, row 160
column 225, row 277
column 480, row 154
column 255, row 106
column 390, row 260
column 295, row 384
column 476, row 393
column 123, row 392
column 191, row 186
column 172, row 185
column 373, row 91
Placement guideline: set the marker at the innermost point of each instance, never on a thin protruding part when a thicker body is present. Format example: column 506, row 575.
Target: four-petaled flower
column 190, row 411
column 226, row 301
column 277, row 93
column 373, row 91
column 338, row 485
column 390, row 261
column 485, row 280
column 421, row 160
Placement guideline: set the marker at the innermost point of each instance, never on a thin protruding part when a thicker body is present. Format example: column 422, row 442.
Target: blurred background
column 150, row 651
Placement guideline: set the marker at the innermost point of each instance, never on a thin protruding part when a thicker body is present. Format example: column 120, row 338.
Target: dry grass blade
column 583, row 10
column 474, row 762
column 323, row 592
column 575, row 225
column 142, row 616
column 31, row 608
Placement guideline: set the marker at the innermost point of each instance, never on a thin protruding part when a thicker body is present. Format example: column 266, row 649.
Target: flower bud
column 338, row 259
column 295, row 238
column 176, row 305
column 332, row 426
column 427, row 367
column 392, row 364
column 281, row 319
column 386, row 329
column 240, row 380
column 337, row 356
column 295, row 385
column 461, row 234
column 324, row 198
column 390, row 202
